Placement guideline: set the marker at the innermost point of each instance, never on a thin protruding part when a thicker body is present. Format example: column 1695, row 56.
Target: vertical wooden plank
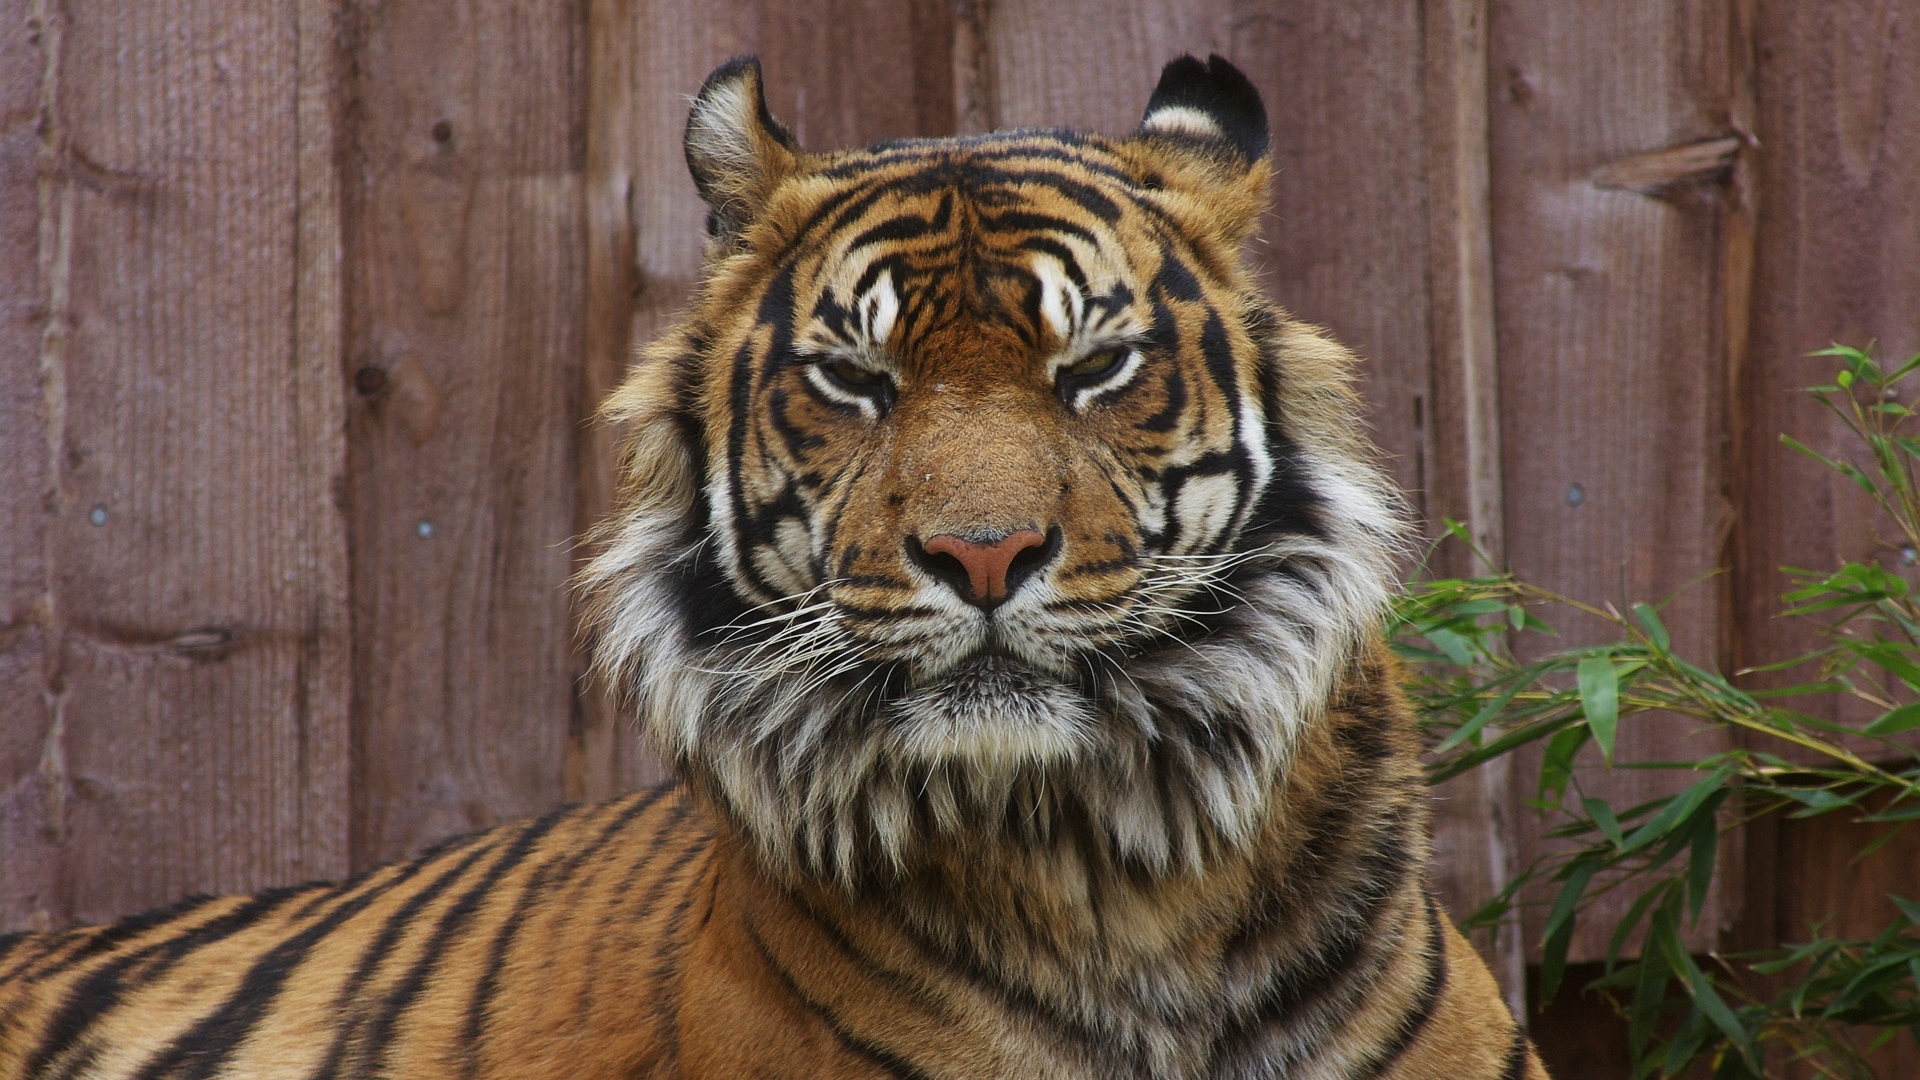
column 33, row 337
column 1838, row 261
column 602, row 755
column 463, row 233
column 320, row 436
column 190, row 604
column 1612, row 362
column 1475, row 842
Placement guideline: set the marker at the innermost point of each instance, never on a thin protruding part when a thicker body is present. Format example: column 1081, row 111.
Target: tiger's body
column 1003, row 575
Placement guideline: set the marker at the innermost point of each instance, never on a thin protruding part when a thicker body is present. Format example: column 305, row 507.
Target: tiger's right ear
column 1205, row 131
column 738, row 153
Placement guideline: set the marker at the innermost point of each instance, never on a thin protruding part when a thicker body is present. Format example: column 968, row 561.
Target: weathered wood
column 1475, row 845
column 1837, row 260
column 602, row 756
column 186, row 636
column 464, row 236
column 1612, row 359
column 32, row 347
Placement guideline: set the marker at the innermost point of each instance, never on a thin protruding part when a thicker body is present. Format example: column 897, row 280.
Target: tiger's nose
column 985, row 572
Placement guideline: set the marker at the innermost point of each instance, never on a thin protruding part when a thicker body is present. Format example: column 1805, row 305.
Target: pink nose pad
column 986, row 564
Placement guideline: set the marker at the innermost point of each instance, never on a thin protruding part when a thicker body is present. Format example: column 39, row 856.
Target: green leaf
column 1556, row 763
column 1480, row 719
column 1559, row 927
column 1657, row 894
column 1600, row 700
column 1705, row 997
column 1700, row 866
column 1896, row 720
column 1909, row 910
column 1571, row 890
column 1656, row 630
column 1680, row 808
column 1457, row 647
column 1648, row 996
column 1602, row 815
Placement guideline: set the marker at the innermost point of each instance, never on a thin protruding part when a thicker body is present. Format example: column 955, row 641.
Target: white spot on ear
column 1183, row 120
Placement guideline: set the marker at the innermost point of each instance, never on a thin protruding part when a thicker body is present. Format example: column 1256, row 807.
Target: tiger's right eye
column 1097, row 364
column 850, row 384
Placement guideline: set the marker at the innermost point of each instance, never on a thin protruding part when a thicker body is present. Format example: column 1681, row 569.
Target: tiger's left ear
column 738, row 153
column 1206, row 130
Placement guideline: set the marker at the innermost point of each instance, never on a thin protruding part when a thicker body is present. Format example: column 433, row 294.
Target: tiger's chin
column 992, row 712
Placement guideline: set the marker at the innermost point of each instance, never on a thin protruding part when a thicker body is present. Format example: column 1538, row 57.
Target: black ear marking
column 1212, row 102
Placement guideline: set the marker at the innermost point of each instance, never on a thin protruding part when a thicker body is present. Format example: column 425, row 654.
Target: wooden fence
column 308, row 303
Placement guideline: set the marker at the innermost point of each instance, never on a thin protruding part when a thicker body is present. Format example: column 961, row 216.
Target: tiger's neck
column 1160, row 963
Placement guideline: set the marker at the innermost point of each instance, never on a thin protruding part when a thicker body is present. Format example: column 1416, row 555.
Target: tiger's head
column 980, row 498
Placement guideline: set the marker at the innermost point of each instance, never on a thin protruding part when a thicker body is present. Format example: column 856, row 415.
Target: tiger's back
column 577, row 915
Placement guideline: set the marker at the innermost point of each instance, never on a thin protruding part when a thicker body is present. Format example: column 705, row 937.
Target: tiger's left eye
column 853, row 376
column 1096, row 364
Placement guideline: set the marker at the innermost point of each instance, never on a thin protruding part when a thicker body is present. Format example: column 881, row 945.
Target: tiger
column 1003, row 576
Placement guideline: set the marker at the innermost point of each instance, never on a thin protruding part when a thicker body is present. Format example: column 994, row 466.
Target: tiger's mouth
column 994, row 709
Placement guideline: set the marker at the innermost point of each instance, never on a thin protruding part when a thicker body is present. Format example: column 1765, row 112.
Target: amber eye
column 1097, row 364
column 847, row 383
column 852, row 376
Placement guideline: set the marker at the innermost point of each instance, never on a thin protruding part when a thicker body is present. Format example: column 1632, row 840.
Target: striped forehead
column 1077, row 276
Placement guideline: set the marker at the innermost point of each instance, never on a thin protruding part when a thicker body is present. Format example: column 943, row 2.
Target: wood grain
column 33, row 343
column 1475, row 841
column 464, row 235
column 1612, row 362
column 189, row 619
column 1837, row 260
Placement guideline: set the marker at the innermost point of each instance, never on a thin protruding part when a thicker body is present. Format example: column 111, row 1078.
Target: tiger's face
column 980, row 481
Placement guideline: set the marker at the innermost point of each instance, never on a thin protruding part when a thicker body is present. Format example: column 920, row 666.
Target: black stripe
column 93, row 997
column 1357, row 887
column 203, row 1050
column 1176, row 404
column 878, row 1056
column 1418, row 1014
column 396, row 924
column 474, row 1029
column 133, row 926
column 1025, row 220
column 776, row 312
column 398, row 1001
column 665, row 962
column 10, row 942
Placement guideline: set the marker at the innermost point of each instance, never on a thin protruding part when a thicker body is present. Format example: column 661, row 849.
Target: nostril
column 1032, row 559
column 942, row 565
column 984, row 572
